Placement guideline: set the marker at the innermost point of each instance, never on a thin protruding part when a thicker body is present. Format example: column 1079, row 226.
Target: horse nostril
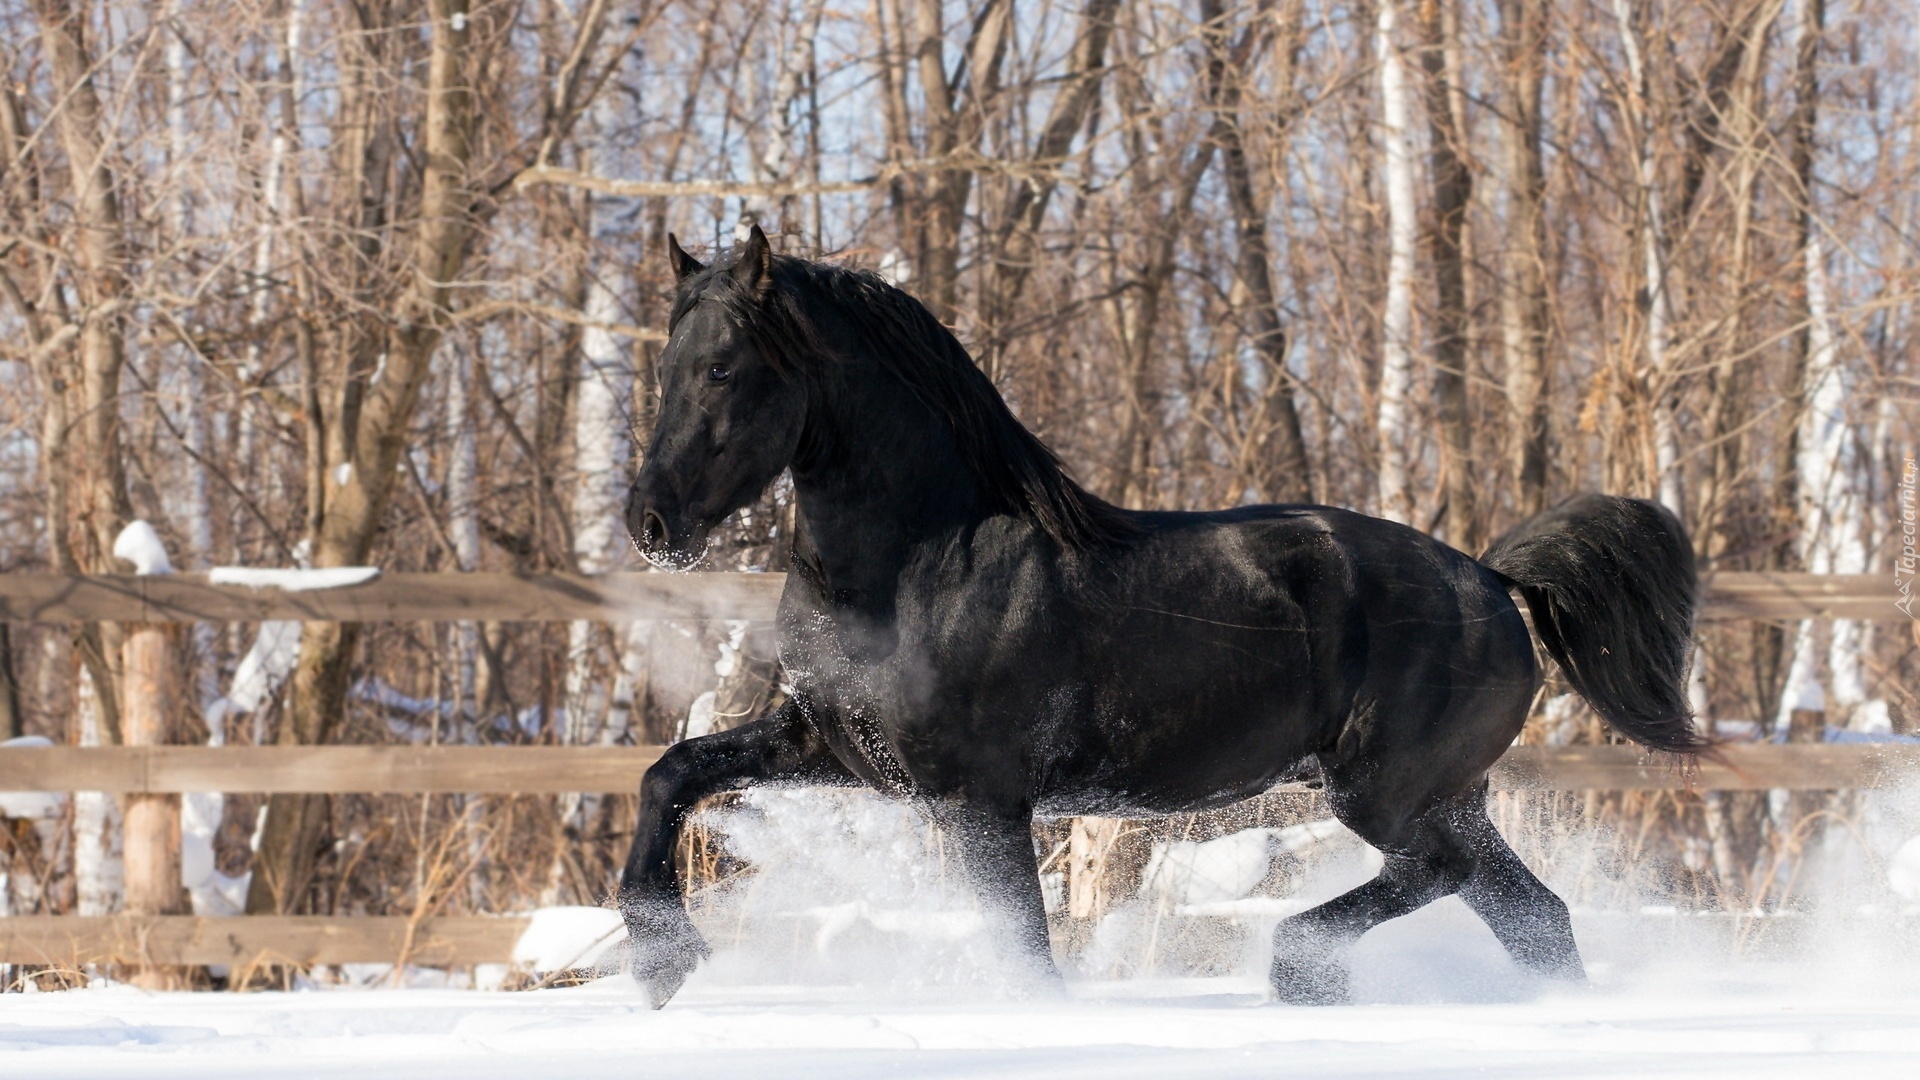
column 653, row 530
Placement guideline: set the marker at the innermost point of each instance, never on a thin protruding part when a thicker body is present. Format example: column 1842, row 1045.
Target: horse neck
column 884, row 478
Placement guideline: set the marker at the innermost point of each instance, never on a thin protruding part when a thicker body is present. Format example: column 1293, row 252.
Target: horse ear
column 756, row 262
column 684, row 265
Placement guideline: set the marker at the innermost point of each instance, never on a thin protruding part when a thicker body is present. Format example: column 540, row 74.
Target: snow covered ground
column 1436, row 998
column 1752, row 1024
column 851, row 954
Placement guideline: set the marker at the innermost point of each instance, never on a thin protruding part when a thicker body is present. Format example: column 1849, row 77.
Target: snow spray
column 854, row 892
column 842, row 888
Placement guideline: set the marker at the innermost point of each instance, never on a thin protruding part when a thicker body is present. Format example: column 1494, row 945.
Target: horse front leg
column 662, row 944
column 995, row 844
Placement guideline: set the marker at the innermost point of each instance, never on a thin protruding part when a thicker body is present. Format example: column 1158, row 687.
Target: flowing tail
column 1611, row 585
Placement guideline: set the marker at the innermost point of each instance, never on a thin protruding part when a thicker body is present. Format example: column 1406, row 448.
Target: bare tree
column 1452, row 180
column 1394, row 426
column 343, row 283
column 1523, row 290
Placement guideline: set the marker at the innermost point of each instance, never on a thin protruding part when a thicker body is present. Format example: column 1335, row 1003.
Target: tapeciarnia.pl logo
column 1905, row 565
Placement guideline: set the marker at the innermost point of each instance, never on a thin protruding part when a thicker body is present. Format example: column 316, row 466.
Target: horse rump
column 1611, row 585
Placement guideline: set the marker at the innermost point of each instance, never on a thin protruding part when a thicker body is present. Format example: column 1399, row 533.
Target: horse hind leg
column 1529, row 921
column 1422, row 861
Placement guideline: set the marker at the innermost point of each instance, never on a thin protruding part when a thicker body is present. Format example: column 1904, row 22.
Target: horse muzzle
column 668, row 537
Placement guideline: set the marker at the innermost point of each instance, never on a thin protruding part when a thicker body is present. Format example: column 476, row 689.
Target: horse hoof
column 661, row 971
column 663, row 948
column 1300, row 982
column 1040, row 981
column 660, row 990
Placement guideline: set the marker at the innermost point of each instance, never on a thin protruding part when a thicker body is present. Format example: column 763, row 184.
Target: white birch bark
column 198, row 523
column 200, row 811
column 1666, row 440
column 1842, row 495
column 1832, row 508
column 268, row 661
column 602, row 452
column 463, row 519
column 463, row 528
column 274, row 188
column 1833, row 512
column 603, row 449
column 99, row 876
column 776, row 159
column 274, row 183
column 1394, row 425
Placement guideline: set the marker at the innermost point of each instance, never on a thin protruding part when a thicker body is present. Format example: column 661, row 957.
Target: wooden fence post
column 152, row 826
column 1090, row 847
column 150, row 689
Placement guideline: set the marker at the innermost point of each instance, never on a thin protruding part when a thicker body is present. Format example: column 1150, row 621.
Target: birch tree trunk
column 1452, row 195
column 463, row 513
column 602, row 451
column 1743, row 133
column 12, row 723
column 1138, row 306
column 197, row 815
column 1523, row 291
column 1832, row 512
column 1015, row 250
column 370, row 436
column 463, row 529
column 1393, row 425
column 1656, row 379
column 954, row 123
column 88, row 453
column 779, row 157
column 99, row 875
column 1288, row 475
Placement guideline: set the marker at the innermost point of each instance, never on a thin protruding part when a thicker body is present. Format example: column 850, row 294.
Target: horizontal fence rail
column 68, row 941
column 489, row 597
column 482, row 597
column 370, row 770
column 530, row 770
column 1751, row 767
column 71, row 941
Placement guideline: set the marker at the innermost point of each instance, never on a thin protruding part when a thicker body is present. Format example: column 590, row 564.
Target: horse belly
column 1205, row 726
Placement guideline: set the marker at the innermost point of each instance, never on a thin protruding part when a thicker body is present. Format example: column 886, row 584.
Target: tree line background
column 304, row 282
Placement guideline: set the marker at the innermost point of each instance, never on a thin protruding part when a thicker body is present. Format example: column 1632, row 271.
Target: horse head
column 731, row 414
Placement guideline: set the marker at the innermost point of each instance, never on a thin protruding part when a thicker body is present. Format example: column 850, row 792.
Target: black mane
column 1014, row 468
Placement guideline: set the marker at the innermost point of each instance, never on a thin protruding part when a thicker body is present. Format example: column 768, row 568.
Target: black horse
column 967, row 628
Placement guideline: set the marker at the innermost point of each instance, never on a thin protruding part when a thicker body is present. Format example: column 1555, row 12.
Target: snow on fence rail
column 489, row 597
column 440, row 597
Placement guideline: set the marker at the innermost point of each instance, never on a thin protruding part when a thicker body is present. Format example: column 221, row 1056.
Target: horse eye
column 719, row 373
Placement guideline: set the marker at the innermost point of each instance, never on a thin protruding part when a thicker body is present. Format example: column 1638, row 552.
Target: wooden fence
column 410, row 769
column 55, row 598
column 548, row 770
